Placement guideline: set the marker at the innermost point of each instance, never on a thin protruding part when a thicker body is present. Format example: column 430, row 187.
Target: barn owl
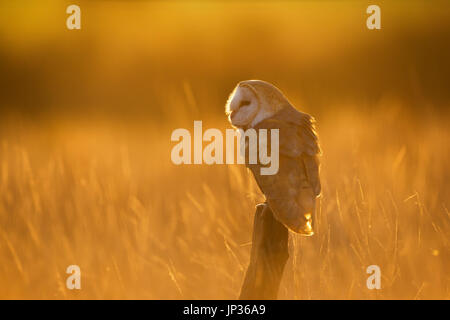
column 291, row 193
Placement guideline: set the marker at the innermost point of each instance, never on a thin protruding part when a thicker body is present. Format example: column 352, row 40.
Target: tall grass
column 106, row 197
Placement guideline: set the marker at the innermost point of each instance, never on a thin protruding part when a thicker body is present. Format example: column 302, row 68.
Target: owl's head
column 253, row 101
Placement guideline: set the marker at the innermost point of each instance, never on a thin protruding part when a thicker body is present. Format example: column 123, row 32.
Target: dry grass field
column 111, row 201
column 86, row 118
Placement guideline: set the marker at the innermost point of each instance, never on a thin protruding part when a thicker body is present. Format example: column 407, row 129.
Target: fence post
column 268, row 257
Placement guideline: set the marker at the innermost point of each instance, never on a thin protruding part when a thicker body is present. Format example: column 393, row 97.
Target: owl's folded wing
column 292, row 191
column 297, row 139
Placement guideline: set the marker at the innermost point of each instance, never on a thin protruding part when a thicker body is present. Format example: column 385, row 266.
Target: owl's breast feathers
column 291, row 193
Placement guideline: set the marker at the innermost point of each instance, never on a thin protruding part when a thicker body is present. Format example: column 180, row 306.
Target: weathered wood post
column 268, row 257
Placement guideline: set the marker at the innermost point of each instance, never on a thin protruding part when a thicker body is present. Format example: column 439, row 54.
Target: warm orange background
column 85, row 123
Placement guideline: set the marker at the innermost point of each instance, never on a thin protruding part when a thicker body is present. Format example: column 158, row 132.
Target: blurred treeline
column 152, row 60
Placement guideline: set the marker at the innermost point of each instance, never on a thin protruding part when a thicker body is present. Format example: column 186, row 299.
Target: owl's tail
column 298, row 216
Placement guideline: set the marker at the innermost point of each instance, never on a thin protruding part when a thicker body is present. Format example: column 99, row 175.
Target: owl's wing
column 291, row 192
column 298, row 139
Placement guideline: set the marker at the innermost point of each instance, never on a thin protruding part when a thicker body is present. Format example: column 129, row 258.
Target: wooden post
column 268, row 257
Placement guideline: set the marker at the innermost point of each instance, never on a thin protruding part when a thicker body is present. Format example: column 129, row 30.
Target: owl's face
column 242, row 106
column 253, row 101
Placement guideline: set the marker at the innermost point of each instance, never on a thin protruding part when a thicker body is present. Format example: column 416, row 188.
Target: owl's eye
column 244, row 103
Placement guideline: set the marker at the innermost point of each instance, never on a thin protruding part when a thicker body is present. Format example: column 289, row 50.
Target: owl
column 290, row 193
